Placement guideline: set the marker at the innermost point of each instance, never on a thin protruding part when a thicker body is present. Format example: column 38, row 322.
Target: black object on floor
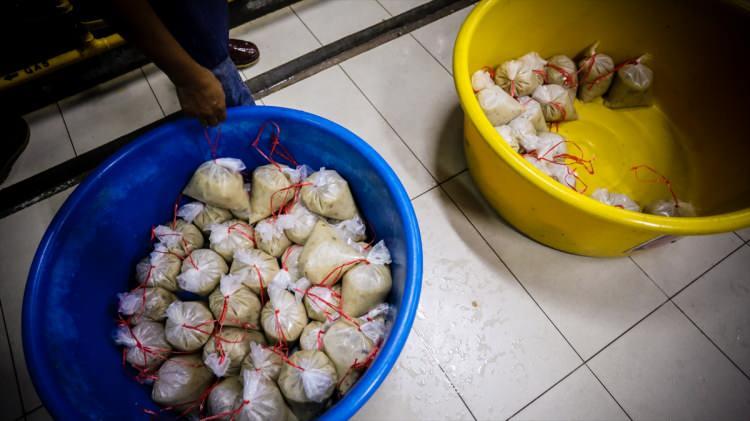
column 15, row 139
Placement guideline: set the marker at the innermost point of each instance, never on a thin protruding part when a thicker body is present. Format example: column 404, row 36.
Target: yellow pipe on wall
column 93, row 46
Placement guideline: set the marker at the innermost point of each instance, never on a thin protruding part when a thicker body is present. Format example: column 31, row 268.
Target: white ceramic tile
column 439, row 36
column 415, row 94
column 675, row 265
column 40, row 414
column 396, row 7
column 331, row 20
column 666, row 369
column 10, row 403
column 332, row 95
column 591, row 300
column 49, row 145
column 23, row 230
column 579, row 397
column 280, row 37
column 493, row 342
column 110, row 110
column 744, row 233
column 416, row 388
column 719, row 303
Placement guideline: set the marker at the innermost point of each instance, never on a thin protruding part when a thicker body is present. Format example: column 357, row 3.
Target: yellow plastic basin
column 696, row 134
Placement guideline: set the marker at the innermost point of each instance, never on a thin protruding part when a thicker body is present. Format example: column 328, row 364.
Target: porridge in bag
column 631, row 86
column 202, row 215
column 146, row 344
column 327, row 194
column 270, row 191
column 255, row 268
column 264, row 400
column 326, row 257
column 181, row 239
column 596, row 70
column 226, row 350
column 234, row 304
column 561, row 70
column 189, row 325
column 309, row 376
column 298, row 223
column 499, row 107
column 322, row 303
column 181, row 380
column 617, row 200
column 517, row 78
column 230, row 236
column 368, row 283
column 312, row 336
column 145, row 304
column 160, row 269
column 283, row 317
column 556, row 103
column 218, row 182
column 225, row 400
column 270, row 237
column 265, row 360
column 482, row 79
column 201, row 271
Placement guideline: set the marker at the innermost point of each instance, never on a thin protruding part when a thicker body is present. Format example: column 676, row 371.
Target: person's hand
column 203, row 98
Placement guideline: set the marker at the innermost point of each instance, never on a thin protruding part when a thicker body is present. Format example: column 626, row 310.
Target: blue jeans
column 202, row 29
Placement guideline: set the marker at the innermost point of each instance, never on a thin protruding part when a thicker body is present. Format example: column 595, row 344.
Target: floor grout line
column 12, row 360
column 546, row 390
column 648, row 276
column 445, row 373
column 153, row 92
column 705, row 272
column 65, row 123
column 608, row 392
column 411, row 34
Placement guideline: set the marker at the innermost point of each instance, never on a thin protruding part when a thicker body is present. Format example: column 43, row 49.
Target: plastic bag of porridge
column 617, row 200
column 180, row 239
column 264, row 400
column 225, row 400
column 255, row 268
column 218, row 182
column 511, row 136
column 160, row 269
column 350, row 350
column 226, row 350
column 596, row 72
column 270, row 191
column 263, row 359
column 368, row 283
column 671, row 208
column 482, row 78
column 326, row 256
column 270, row 237
column 234, row 304
column 517, row 78
column 182, row 379
column 327, row 194
column 322, row 303
column 312, row 336
column 283, row 317
column 202, row 215
column 309, row 376
column 298, row 223
column 145, row 304
column 147, row 347
column 351, row 230
column 290, row 261
column 532, row 112
column 201, row 271
column 556, row 103
column 561, row 70
column 189, row 325
column 499, row 107
column 244, row 213
column 631, row 86
column 230, row 236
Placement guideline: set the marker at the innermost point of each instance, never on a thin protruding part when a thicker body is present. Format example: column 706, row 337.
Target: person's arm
column 201, row 94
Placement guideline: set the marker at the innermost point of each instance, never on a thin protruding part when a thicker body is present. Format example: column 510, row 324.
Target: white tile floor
column 506, row 327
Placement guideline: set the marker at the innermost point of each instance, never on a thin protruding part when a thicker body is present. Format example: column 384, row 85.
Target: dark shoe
column 16, row 137
column 243, row 53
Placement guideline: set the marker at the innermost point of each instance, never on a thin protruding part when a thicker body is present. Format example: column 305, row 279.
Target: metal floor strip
column 63, row 176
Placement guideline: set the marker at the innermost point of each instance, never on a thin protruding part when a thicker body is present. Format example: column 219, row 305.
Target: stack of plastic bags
column 257, row 302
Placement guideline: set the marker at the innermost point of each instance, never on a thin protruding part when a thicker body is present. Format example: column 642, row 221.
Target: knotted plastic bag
column 234, row 304
column 351, row 230
column 270, row 237
column 146, row 344
column 670, row 208
column 226, row 350
column 181, row 380
column 511, row 136
column 350, row 350
column 499, row 107
column 298, row 223
column 145, row 304
column 617, row 200
column 255, row 268
column 596, row 71
column 631, row 86
column 270, row 191
column 517, row 78
column 201, row 271
column 309, row 376
column 290, row 261
column 327, row 194
column 322, row 303
column 368, row 283
column 264, row 360
column 230, row 236
column 244, row 213
column 225, row 400
column 532, row 112
column 312, row 336
column 263, row 399
column 218, row 182
column 180, row 239
column 189, row 325
column 160, row 269
column 536, row 63
column 202, row 215
column 523, row 127
column 556, row 103
column 326, row 257
column 482, row 78
column 283, row 317
column 561, row 70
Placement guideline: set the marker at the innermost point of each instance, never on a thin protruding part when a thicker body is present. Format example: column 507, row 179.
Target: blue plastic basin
column 90, row 249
